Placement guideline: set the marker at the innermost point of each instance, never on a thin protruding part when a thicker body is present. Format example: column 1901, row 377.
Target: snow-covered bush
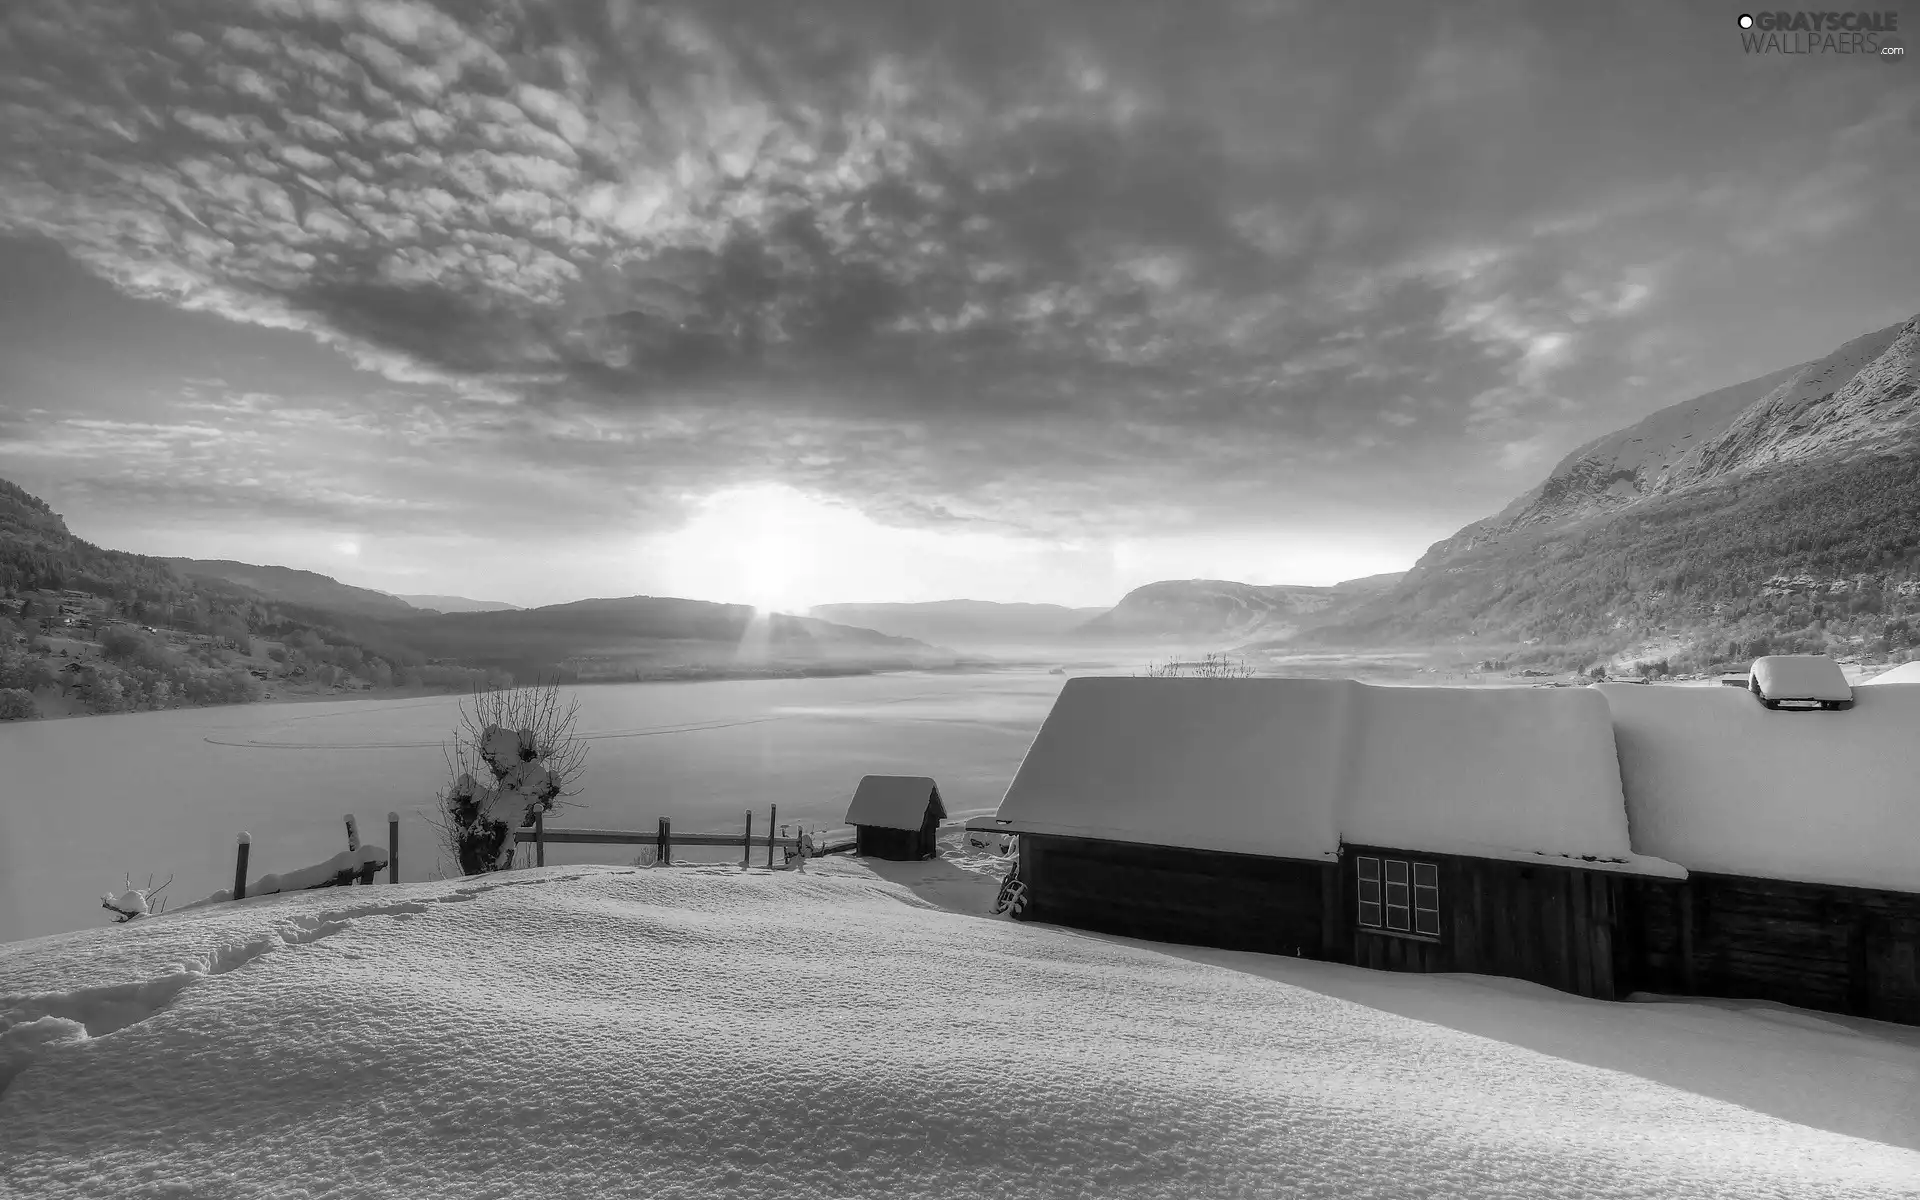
column 514, row 756
column 132, row 902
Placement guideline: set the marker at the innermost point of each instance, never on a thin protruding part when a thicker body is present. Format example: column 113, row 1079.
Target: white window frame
column 1368, row 869
column 1398, row 896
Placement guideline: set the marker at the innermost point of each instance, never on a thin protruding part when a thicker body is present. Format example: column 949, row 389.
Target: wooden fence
column 664, row 839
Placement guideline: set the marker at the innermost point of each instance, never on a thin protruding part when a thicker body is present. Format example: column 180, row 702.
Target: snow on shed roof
column 1800, row 677
column 894, row 801
column 1292, row 767
column 1718, row 783
column 1904, row 673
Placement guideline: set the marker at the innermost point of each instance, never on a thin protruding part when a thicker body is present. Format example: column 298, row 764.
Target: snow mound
column 720, row 1033
column 1800, row 677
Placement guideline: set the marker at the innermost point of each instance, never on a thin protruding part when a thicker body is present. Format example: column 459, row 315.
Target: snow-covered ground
column 855, row 1031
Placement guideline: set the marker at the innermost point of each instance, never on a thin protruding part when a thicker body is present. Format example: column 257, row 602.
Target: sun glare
column 767, row 545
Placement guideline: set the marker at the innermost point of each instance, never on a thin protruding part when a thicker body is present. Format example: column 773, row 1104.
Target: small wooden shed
column 896, row 816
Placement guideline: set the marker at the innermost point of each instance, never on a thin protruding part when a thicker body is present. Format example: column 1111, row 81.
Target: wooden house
column 1425, row 829
column 1603, row 841
column 896, row 817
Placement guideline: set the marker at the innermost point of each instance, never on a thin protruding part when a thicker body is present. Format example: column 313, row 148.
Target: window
column 1426, row 899
column 1370, row 892
column 1399, row 896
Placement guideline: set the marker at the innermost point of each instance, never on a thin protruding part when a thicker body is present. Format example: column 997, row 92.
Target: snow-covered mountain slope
column 717, row 1033
column 1864, row 396
column 1225, row 612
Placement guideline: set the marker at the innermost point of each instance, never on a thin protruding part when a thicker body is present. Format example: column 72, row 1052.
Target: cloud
column 1053, row 266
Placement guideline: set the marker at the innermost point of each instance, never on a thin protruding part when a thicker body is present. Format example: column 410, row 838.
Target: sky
column 817, row 301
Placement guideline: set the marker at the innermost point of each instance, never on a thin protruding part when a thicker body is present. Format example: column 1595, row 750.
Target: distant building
column 896, row 817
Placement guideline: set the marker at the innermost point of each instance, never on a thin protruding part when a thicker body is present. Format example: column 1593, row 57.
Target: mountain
column 1782, row 511
column 291, row 586
column 38, row 551
column 1221, row 611
column 639, row 637
column 964, row 623
column 452, row 604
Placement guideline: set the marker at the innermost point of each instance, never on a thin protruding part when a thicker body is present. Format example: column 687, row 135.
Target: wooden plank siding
column 1548, row 924
column 1854, row 951
column 1590, row 932
column 900, row 845
column 1165, row 894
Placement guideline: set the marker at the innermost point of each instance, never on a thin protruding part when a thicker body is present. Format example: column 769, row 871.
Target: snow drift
column 757, row 1034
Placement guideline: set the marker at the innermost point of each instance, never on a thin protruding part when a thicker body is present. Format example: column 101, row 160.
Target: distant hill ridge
column 1221, row 611
column 449, row 604
column 295, row 586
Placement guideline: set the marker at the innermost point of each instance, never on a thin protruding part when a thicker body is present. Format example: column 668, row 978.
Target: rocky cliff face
column 1861, row 399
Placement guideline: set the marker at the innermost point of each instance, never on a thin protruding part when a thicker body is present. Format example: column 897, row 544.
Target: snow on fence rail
column 355, row 864
column 664, row 839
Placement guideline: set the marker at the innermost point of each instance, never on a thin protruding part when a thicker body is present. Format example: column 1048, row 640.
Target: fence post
column 393, row 847
column 665, row 841
column 746, row 844
column 540, row 838
column 773, row 814
column 353, row 833
column 240, row 868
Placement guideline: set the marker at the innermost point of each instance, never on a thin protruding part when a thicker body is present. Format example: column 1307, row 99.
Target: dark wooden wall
column 1548, row 924
column 1843, row 950
column 1590, row 932
column 1196, row 897
column 903, row 845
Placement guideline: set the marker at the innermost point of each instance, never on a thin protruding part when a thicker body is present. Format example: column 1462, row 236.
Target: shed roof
column 1800, row 677
column 1717, row 783
column 895, row 801
column 1293, row 767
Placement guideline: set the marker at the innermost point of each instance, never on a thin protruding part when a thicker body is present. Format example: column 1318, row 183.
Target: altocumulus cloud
column 997, row 262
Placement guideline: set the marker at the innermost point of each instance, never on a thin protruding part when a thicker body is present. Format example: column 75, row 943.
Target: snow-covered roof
column 1248, row 765
column 1800, row 677
column 1717, row 783
column 1473, row 770
column 1294, row 767
column 894, row 801
column 1904, row 673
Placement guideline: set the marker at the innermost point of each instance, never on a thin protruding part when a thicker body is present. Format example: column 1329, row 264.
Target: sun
column 768, row 545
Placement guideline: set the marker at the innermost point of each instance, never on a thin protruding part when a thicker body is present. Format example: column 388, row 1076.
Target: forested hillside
column 1820, row 557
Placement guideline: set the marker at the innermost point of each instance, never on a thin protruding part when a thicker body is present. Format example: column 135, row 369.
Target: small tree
column 514, row 756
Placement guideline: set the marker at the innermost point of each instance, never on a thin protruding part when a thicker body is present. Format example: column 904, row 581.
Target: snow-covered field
column 703, row 1031
column 83, row 803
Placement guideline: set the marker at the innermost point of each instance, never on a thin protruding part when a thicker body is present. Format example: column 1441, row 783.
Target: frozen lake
column 85, row 801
